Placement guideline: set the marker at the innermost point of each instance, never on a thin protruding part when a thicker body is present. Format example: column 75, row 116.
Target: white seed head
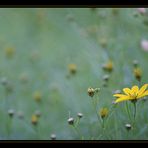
column 106, row 77
column 4, row 81
column 53, row 137
column 37, row 113
column 11, row 112
column 128, row 126
column 135, row 63
column 71, row 121
column 20, row 115
column 80, row 115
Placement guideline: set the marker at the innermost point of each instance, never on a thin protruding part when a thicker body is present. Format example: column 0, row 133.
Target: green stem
column 103, row 124
column 128, row 111
column 135, row 110
column 95, row 107
column 78, row 132
column 8, row 124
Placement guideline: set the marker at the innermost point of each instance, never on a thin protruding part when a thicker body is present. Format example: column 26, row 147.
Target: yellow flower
column 34, row 119
column 108, row 66
column 72, row 68
column 37, row 96
column 9, row 52
column 103, row 112
column 138, row 73
column 132, row 94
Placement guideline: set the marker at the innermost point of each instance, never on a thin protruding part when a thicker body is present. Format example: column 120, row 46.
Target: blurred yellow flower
column 37, row 96
column 34, row 119
column 72, row 68
column 138, row 73
column 132, row 94
column 9, row 51
column 108, row 66
column 103, row 112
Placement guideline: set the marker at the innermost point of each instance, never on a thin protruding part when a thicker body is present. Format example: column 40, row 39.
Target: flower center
column 134, row 96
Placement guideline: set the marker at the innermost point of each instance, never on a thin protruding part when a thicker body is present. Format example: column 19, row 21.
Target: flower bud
column 104, row 112
column 72, row 68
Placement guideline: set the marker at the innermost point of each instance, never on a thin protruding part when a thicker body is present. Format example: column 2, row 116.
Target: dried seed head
column 128, row 126
column 11, row 112
column 80, row 115
column 103, row 112
column 90, row 92
column 71, row 121
column 34, row 119
column 53, row 137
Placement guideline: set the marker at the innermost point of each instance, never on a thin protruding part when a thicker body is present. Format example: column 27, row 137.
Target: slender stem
column 8, row 124
column 135, row 110
column 77, row 122
column 139, row 83
column 78, row 132
column 95, row 107
column 128, row 111
column 103, row 126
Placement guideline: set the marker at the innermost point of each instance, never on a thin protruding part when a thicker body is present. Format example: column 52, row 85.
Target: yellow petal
column 142, row 89
column 119, row 95
column 127, row 91
column 143, row 95
column 122, row 99
column 134, row 89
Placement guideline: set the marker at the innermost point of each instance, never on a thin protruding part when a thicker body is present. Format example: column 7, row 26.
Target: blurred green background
column 36, row 47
